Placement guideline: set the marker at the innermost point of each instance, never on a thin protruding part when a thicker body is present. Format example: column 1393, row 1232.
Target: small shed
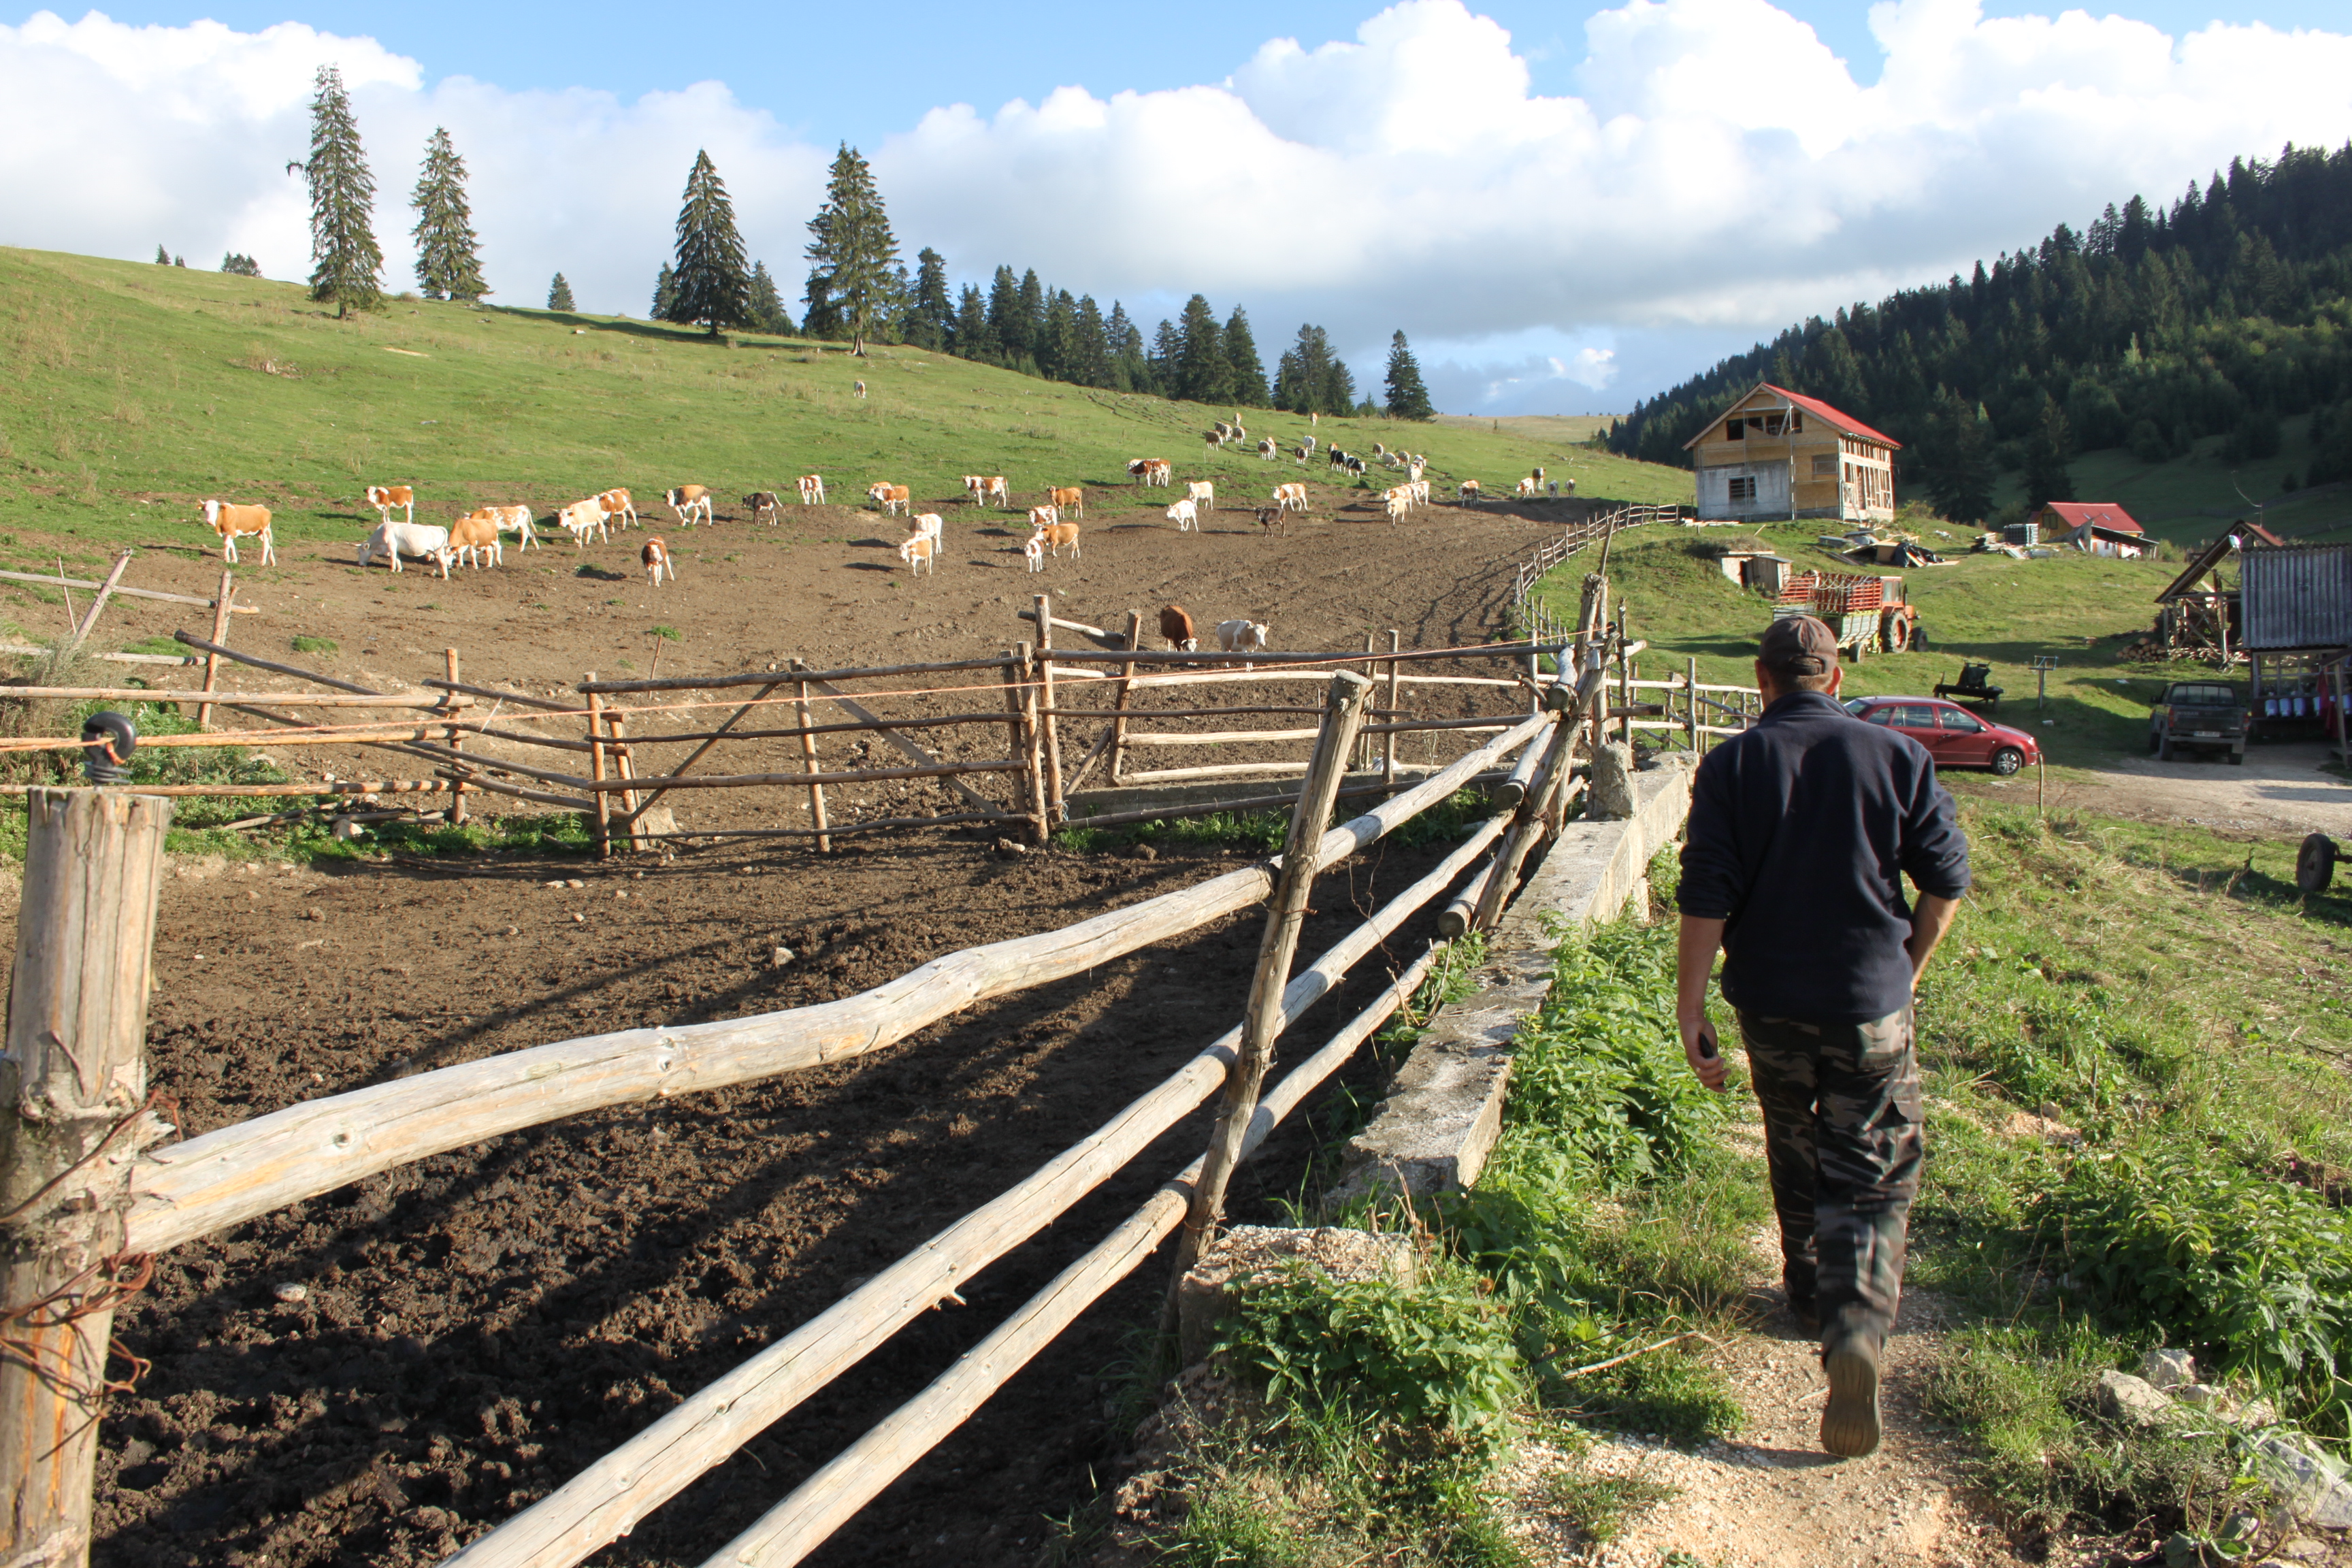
column 1758, row 569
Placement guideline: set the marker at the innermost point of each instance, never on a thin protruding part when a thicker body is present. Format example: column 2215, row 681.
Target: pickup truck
column 2193, row 714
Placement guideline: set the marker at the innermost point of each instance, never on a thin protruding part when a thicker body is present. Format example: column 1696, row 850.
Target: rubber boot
column 1850, row 1352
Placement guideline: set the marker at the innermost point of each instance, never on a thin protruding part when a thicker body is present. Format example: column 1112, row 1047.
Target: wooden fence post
column 596, row 770
column 1690, row 715
column 73, row 1096
column 220, row 636
column 625, row 767
column 105, row 592
column 809, row 761
column 1388, row 741
column 1535, row 807
column 1059, row 812
column 1031, row 742
column 1126, row 682
column 457, row 739
column 1343, row 715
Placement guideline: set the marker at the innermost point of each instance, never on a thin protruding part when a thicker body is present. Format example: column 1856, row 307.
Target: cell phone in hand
column 1706, row 1048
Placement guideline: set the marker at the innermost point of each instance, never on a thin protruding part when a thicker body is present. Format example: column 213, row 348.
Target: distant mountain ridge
column 2150, row 330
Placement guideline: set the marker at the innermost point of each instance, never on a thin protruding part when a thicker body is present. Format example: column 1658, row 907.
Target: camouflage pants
column 1842, row 1138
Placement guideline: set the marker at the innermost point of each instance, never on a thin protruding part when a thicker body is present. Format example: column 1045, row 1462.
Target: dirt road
column 2279, row 789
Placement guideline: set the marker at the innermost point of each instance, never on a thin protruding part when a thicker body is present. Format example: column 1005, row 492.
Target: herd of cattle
column 477, row 538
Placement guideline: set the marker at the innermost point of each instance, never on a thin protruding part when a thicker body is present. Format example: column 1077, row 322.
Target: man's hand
column 1695, row 949
column 1931, row 917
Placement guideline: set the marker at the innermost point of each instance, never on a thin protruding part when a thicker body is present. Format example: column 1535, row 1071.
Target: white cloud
column 1719, row 172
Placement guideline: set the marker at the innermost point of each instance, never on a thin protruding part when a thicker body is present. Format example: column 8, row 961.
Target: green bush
column 318, row 645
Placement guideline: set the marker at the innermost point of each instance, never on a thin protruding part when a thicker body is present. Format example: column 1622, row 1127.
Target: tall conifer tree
column 768, row 312
column 448, row 254
column 974, row 337
column 713, row 280
column 559, row 295
column 347, row 263
column 1407, row 398
column 822, row 318
column 1246, row 372
column 665, row 291
column 1094, row 353
column 1006, row 325
column 851, row 244
column 933, row 323
column 1202, row 375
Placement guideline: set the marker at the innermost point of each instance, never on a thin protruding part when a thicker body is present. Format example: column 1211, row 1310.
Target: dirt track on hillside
column 479, row 1326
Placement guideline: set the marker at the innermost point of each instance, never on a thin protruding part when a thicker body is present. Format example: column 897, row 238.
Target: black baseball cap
column 1798, row 645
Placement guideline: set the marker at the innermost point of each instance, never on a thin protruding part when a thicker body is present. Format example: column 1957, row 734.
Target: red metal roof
column 2104, row 513
column 1812, row 406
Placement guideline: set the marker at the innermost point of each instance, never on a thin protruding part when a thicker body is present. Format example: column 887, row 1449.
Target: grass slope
column 2084, row 610
column 137, row 390
column 2190, row 499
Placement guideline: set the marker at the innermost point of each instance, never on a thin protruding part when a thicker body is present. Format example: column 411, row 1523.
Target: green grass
column 134, row 391
column 2194, row 497
column 2079, row 609
column 318, row 645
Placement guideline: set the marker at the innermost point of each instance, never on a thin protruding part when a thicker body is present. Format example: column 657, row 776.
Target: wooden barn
column 1779, row 454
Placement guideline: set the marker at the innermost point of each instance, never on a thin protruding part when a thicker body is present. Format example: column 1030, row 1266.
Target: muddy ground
column 477, row 1327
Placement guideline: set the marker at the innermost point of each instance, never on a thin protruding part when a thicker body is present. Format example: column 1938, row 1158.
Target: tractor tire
column 1899, row 635
column 2315, row 864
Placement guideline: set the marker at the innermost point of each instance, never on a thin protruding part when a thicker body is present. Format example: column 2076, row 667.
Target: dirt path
column 2278, row 789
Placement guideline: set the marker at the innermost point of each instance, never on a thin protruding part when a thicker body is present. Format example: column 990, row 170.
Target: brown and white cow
column 1202, row 493
column 894, row 498
column 918, row 551
column 1069, row 498
column 689, row 501
column 1287, row 498
column 583, row 518
column 474, row 536
column 1176, row 626
column 233, row 522
column 620, row 504
column 765, row 507
column 657, row 559
column 999, row 491
column 1055, row 535
column 812, row 489
column 1044, row 517
column 384, row 497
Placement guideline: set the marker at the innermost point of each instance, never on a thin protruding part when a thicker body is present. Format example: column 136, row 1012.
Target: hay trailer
column 1866, row 612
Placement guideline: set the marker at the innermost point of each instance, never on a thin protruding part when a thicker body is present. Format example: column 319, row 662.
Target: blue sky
column 1567, row 207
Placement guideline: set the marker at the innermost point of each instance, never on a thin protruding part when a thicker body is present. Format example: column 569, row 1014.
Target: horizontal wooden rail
column 743, row 781
column 1489, row 780
column 568, row 710
column 823, row 1503
column 1213, row 737
column 193, row 1188
column 867, row 726
column 1403, row 655
column 276, row 699
column 1219, row 771
column 608, row 1498
column 126, row 592
column 771, row 678
column 837, row 830
column 34, row 650
column 296, row 672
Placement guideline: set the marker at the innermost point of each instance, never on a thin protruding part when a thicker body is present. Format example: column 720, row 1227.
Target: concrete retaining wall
column 1444, row 1111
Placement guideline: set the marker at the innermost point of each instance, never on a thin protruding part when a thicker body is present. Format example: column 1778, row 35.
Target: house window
column 1744, row 488
column 1773, row 425
column 1796, row 420
column 1825, row 467
column 1734, row 430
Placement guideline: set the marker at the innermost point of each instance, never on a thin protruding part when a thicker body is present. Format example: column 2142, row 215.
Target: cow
column 1413, row 470
column 1034, row 551
column 1069, row 498
column 1355, row 466
column 894, row 498
column 1147, row 471
column 1309, row 444
column 812, row 489
column 1184, row 515
column 1268, row 450
column 1398, row 502
column 1337, row 459
column 583, row 518
column 232, row 522
column 1044, row 517
column 1202, row 493
column 1176, row 626
column 394, row 540
column 618, row 503
column 1289, row 496
column 476, row 535
column 1526, row 490
column 384, row 497
column 1420, row 488
column 657, row 559
column 920, row 550
column 1538, row 475
column 765, row 507
column 686, row 501
column 1303, row 451
column 1270, row 518
column 858, row 389
column 929, row 525
column 1242, row 636
column 999, row 491
column 1055, row 535
column 1469, row 492
column 975, row 486
column 1219, row 433
column 517, row 520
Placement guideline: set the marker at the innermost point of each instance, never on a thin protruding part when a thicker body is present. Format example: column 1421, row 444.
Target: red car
column 1955, row 737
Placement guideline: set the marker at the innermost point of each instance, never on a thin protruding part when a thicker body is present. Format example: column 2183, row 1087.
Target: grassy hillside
column 136, row 390
column 2193, row 497
column 2082, row 609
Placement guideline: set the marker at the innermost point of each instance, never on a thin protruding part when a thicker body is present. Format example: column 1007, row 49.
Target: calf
column 930, row 525
column 1269, row 517
column 1184, row 515
column 1469, row 491
column 1176, row 626
column 1354, row 466
column 1036, row 552
column 384, row 497
column 1147, row 471
column 516, row 520
column 812, row 489
column 232, row 522
column 394, row 540
column 1057, row 534
column 999, row 491
column 580, row 520
column 474, row 536
column 1287, row 496
column 1242, row 636
column 765, row 507
column 1069, row 498
column 976, row 487
column 1398, row 502
column 687, row 501
column 1203, row 491
column 894, row 498
column 1268, row 450
column 1526, row 488
column 657, row 559
column 618, row 503
column 1044, row 517
column 920, row 550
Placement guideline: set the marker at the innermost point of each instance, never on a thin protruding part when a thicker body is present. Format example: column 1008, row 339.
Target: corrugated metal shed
column 2297, row 597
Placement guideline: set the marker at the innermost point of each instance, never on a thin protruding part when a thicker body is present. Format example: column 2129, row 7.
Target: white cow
column 931, row 526
column 1242, row 636
column 395, row 539
column 1184, row 515
column 1201, row 491
column 583, row 518
column 812, row 489
column 1035, row 551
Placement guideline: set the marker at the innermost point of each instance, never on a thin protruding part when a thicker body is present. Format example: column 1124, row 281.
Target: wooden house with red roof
column 2100, row 527
column 1779, row 454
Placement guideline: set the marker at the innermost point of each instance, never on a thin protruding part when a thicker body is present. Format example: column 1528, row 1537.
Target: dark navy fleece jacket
column 1801, row 831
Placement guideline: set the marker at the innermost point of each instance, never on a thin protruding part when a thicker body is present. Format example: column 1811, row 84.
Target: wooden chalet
column 2096, row 527
column 1779, row 454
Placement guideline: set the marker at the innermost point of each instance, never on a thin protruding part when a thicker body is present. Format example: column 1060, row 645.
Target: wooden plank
column 809, row 765
column 596, row 769
column 907, row 748
column 341, row 786
column 1042, row 706
column 840, row 829
column 721, row 682
column 569, row 709
column 616, row 784
column 231, row 1175
column 164, row 694
column 1031, row 750
column 105, row 592
column 713, row 738
column 126, row 593
column 295, row 670
column 1215, row 737
column 29, row 650
column 1123, row 701
column 220, row 635
column 1388, row 746
column 609, row 1498
column 1228, row 771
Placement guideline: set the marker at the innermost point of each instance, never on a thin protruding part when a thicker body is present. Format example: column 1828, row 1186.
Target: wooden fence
column 84, row 1177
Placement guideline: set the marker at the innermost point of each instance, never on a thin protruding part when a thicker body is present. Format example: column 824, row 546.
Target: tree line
column 857, row 287
column 2149, row 329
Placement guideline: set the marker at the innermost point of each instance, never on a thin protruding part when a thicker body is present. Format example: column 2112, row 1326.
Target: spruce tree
column 162, row 257
column 1244, row 372
column 974, row 338
column 559, row 295
column 1161, row 363
column 933, row 323
column 1955, row 460
column 1202, row 375
column 1407, row 398
column 1007, row 327
column 713, row 283
column 448, row 254
column 665, row 292
column 179, row 261
column 347, row 263
column 1128, row 372
column 1031, row 304
column 1094, row 351
column 1057, row 344
column 241, row 265
column 851, row 244
column 822, row 320
column 768, row 312
column 2047, row 452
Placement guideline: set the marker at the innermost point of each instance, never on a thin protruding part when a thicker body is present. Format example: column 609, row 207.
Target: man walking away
column 1801, row 831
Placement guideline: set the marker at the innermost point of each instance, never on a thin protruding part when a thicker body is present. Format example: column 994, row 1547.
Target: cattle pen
column 99, row 1191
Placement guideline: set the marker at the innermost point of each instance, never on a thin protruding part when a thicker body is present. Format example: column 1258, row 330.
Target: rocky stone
column 1248, row 1253
column 1613, row 784
column 781, row 957
column 1006, row 849
column 2309, row 1483
column 658, row 819
column 2302, row 1549
column 2168, row 1368
column 2132, row 1400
